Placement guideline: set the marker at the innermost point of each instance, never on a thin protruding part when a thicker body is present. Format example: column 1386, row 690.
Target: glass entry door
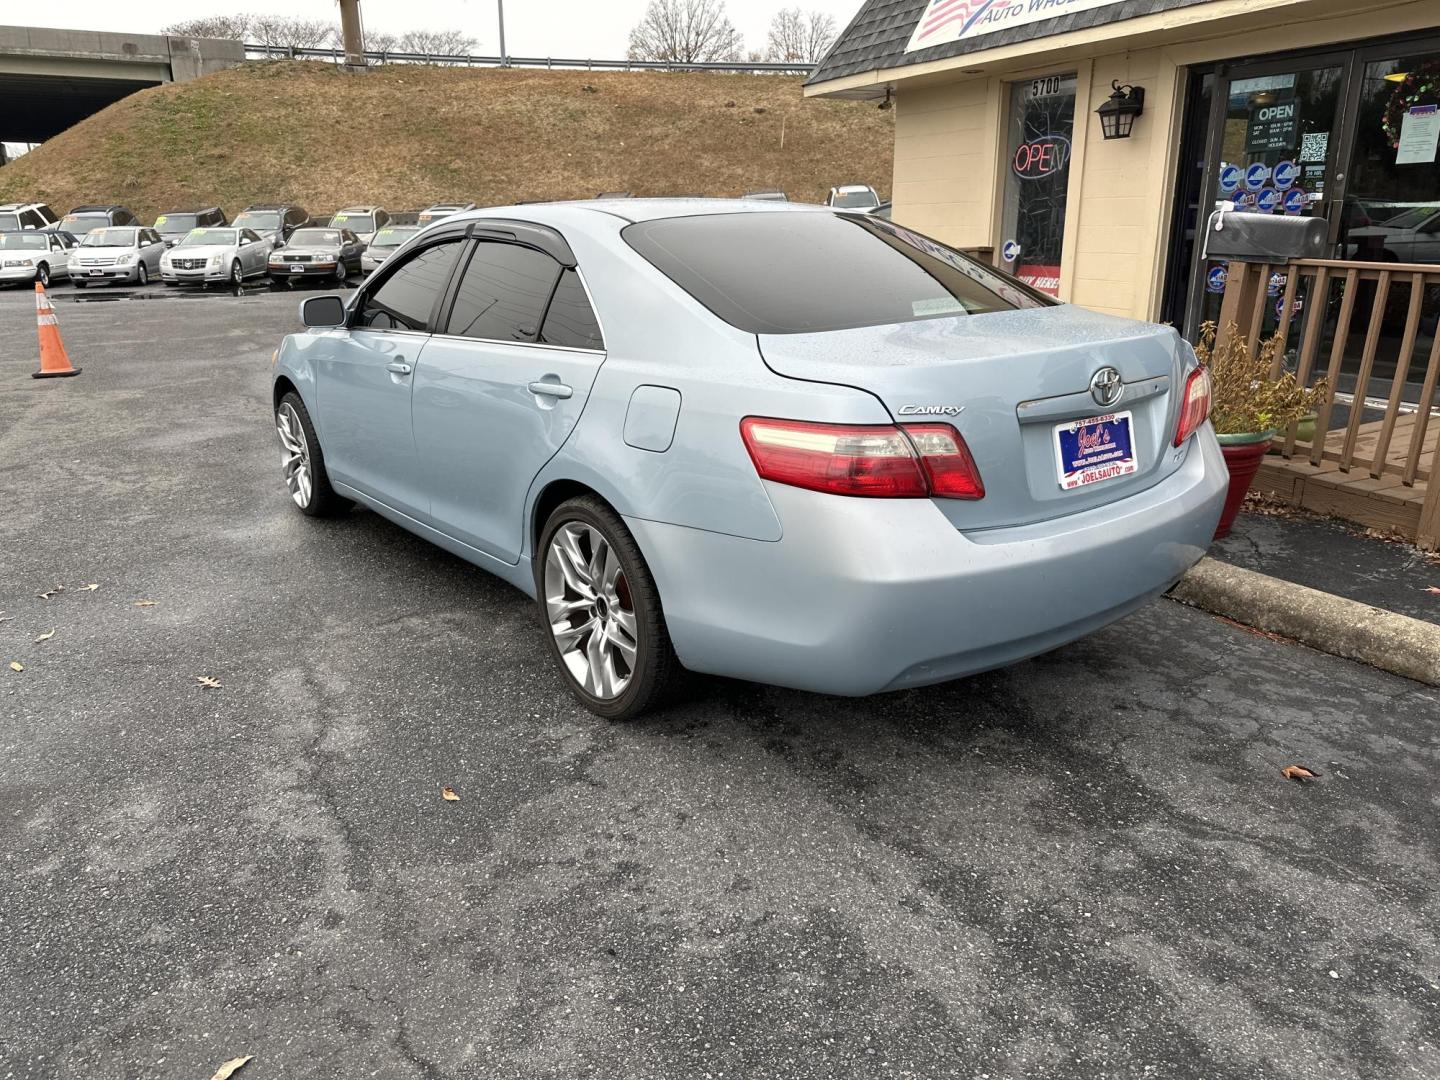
column 1275, row 140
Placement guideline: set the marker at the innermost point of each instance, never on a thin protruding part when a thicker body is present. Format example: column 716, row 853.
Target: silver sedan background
column 780, row 443
column 124, row 253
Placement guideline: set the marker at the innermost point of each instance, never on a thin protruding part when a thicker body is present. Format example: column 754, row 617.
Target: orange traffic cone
column 54, row 360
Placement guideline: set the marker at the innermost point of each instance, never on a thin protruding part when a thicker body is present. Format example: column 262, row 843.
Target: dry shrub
column 1247, row 398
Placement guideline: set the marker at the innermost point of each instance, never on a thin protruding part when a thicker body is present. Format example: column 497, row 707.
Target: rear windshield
column 361, row 223
column 801, row 273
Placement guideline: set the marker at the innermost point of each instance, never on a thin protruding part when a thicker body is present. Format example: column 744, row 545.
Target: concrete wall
column 949, row 130
column 34, row 50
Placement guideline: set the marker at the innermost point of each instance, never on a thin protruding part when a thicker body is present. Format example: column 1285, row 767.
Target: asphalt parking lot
column 1087, row 865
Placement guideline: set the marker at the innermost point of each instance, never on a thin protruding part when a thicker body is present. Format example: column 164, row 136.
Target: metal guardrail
column 385, row 56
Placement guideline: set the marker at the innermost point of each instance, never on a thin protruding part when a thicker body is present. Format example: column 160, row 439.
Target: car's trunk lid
column 1014, row 376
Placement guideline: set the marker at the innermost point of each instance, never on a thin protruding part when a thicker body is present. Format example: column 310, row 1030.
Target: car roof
column 370, row 209
column 190, row 209
column 632, row 210
column 10, row 207
column 852, row 187
column 99, row 209
column 271, row 206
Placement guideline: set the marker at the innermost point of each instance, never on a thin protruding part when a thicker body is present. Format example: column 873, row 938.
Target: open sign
column 1040, row 158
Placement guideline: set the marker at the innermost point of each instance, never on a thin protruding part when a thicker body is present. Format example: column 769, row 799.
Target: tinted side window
column 404, row 299
column 503, row 293
column 570, row 321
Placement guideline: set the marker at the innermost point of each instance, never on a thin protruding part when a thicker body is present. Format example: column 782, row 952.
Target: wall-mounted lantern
column 1117, row 115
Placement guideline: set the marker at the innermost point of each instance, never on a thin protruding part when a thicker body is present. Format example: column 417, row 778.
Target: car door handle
column 398, row 367
column 551, row 389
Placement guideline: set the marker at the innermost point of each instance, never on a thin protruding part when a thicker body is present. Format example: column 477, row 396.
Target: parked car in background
column 1411, row 236
column 119, row 253
column 16, row 217
column 384, row 244
column 273, row 221
column 853, row 197
column 442, row 210
column 767, row 195
column 824, row 452
column 363, row 221
column 211, row 256
column 316, row 252
column 174, row 225
column 84, row 218
column 34, row 255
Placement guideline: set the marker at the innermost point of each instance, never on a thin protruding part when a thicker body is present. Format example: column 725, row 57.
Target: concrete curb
column 1394, row 643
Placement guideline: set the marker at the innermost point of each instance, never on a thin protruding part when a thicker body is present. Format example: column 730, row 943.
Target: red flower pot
column 1243, row 461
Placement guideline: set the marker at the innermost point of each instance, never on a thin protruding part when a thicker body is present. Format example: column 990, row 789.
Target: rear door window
column 503, row 292
column 803, row 272
column 570, row 321
column 404, row 300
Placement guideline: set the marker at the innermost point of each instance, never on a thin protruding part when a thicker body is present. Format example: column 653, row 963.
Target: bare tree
column 687, row 31
column 381, row 41
column 799, row 38
column 215, row 26
column 437, row 42
column 291, row 33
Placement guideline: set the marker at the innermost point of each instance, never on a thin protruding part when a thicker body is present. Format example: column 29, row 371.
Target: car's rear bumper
column 865, row 595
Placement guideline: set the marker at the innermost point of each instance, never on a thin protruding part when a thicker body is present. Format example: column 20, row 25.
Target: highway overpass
column 50, row 80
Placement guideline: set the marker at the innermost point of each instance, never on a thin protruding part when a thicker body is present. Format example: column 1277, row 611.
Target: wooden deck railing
column 1405, row 441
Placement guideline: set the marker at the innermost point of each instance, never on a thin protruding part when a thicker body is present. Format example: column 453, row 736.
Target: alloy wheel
column 142, row 276
column 590, row 610
column 294, row 455
column 42, row 275
column 237, row 276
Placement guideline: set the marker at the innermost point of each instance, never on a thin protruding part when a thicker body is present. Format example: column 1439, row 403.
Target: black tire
column 77, row 283
column 323, row 501
column 237, row 275
column 42, row 275
column 657, row 677
column 142, row 275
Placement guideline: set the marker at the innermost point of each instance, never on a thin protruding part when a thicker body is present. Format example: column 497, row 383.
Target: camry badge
column 931, row 410
column 1106, row 387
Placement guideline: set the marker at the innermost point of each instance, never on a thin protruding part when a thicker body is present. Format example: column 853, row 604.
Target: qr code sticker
column 1314, row 145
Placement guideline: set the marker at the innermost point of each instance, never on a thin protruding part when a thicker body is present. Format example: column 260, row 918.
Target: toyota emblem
column 1106, row 387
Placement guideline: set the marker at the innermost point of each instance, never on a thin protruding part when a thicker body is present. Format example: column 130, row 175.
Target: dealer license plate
column 297, row 268
column 97, row 273
column 1094, row 449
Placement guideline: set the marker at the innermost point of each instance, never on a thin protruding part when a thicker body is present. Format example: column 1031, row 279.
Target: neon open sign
column 1040, row 158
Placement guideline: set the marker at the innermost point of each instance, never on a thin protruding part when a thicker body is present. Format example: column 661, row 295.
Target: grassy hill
column 407, row 136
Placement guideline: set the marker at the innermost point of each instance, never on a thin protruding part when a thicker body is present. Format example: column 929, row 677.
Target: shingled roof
column 877, row 36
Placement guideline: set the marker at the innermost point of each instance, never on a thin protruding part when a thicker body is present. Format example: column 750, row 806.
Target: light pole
column 500, row 11
column 351, row 35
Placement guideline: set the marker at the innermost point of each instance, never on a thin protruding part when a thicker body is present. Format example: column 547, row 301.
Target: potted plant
column 1250, row 406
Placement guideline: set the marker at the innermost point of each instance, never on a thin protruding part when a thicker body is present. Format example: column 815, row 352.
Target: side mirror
column 322, row 311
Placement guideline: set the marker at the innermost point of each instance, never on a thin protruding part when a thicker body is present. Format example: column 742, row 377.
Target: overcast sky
column 578, row 28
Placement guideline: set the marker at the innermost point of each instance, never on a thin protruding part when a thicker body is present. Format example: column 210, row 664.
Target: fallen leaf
column 145, row 603
column 448, row 794
column 16, row 665
column 44, row 637
column 1301, row 774
column 4, row 617
column 207, row 682
column 51, row 592
column 91, row 587
column 231, row 1067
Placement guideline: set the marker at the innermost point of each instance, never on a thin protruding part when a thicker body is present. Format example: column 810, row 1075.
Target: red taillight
column 878, row 461
column 1195, row 406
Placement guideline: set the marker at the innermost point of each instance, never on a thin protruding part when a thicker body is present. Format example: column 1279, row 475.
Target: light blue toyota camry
column 780, row 443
